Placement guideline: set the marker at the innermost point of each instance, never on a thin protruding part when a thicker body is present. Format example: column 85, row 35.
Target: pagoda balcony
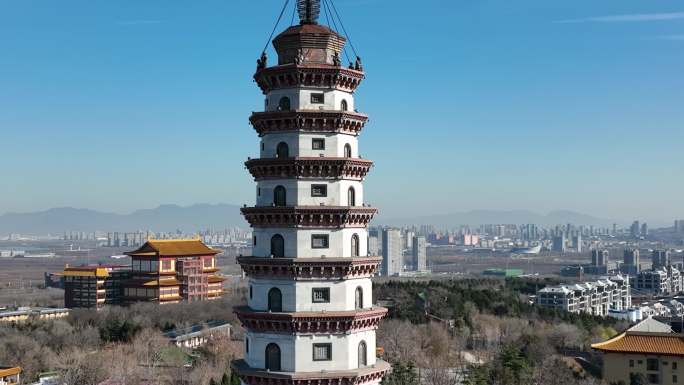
column 323, row 76
column 347, row 122
column 360, row 376
column 328, row 322
column 309, row 167
column 301, row 269
column 309, row 216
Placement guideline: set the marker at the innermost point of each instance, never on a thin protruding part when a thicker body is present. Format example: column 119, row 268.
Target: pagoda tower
column 309, row 317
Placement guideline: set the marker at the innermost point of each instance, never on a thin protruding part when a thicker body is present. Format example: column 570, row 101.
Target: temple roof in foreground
column 173, row 248
column 644, row 343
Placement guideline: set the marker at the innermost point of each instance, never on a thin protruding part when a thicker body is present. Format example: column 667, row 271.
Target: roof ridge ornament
column 309, row 11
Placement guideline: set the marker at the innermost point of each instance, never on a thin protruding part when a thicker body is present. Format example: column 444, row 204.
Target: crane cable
column 276, row 25
column 343, row 29
column 326, row 6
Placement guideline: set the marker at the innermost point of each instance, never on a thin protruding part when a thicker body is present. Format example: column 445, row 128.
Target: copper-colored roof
column 302, row 29
column 644, row 343
column 9, row 371
column 173, row 248
column 151, row 282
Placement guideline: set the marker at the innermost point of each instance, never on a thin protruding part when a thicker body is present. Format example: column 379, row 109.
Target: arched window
column 272, row 357
column 355, row 245
column 278, row 246
column 282, row 150
column 344, row 106
column 347, row 151
column 279, row 196
column 358, row 298
column 363, row 354
column 351, row 197
column 275, row 300
column 284, row 104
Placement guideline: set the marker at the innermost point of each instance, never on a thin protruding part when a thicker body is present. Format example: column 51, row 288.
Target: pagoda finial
column 309, row 10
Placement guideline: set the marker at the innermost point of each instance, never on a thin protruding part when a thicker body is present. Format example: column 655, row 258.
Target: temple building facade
column 309, row 317
column 173, row 270
column 161, row 271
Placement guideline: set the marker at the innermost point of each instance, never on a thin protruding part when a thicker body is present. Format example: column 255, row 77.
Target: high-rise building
column 577, row 242
column 635, row 229
column 679, row 226
column 660, row 259
column 309, row 316
column 631, row 263
column 392, row 259
column 644, row 230
column 419, row 250
column 599, row 257
column 559, row 243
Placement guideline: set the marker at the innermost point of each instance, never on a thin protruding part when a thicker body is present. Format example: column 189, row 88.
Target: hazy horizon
column 537, row 106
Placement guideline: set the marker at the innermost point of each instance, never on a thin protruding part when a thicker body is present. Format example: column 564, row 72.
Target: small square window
column 322, row 352
column 318, row 144
column 320, row 295
column 317, row 98
column 652, row 364
column 319, row 190
column 319, row 241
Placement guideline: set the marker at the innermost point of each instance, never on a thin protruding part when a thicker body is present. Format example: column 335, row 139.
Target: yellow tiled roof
column 85, row 271
column 9, row 371
column 173, row 248
column 645, row 343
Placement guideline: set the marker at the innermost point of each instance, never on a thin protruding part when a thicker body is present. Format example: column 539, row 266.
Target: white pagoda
column 309, row 317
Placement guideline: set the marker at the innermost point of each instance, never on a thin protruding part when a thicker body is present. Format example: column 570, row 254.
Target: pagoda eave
column 309, row 216
column 331, row 322
column 346, row 122
column 309, row 167
column 302, row 269
column 309, row 75
column 255, row 376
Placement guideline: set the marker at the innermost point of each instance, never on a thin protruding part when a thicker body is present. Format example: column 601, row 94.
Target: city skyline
column 554, row 124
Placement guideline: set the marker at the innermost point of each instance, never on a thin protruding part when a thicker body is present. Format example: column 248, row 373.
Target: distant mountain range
column 162, row 218
column 219, row 216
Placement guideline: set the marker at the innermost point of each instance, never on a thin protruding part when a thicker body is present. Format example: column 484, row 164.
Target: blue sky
column 497, row 104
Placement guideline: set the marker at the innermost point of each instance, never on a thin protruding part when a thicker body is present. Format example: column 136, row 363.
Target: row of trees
column 125, row 344
column 496, row 336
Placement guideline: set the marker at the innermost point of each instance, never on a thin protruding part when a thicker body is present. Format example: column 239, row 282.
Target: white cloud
column 628, row 18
